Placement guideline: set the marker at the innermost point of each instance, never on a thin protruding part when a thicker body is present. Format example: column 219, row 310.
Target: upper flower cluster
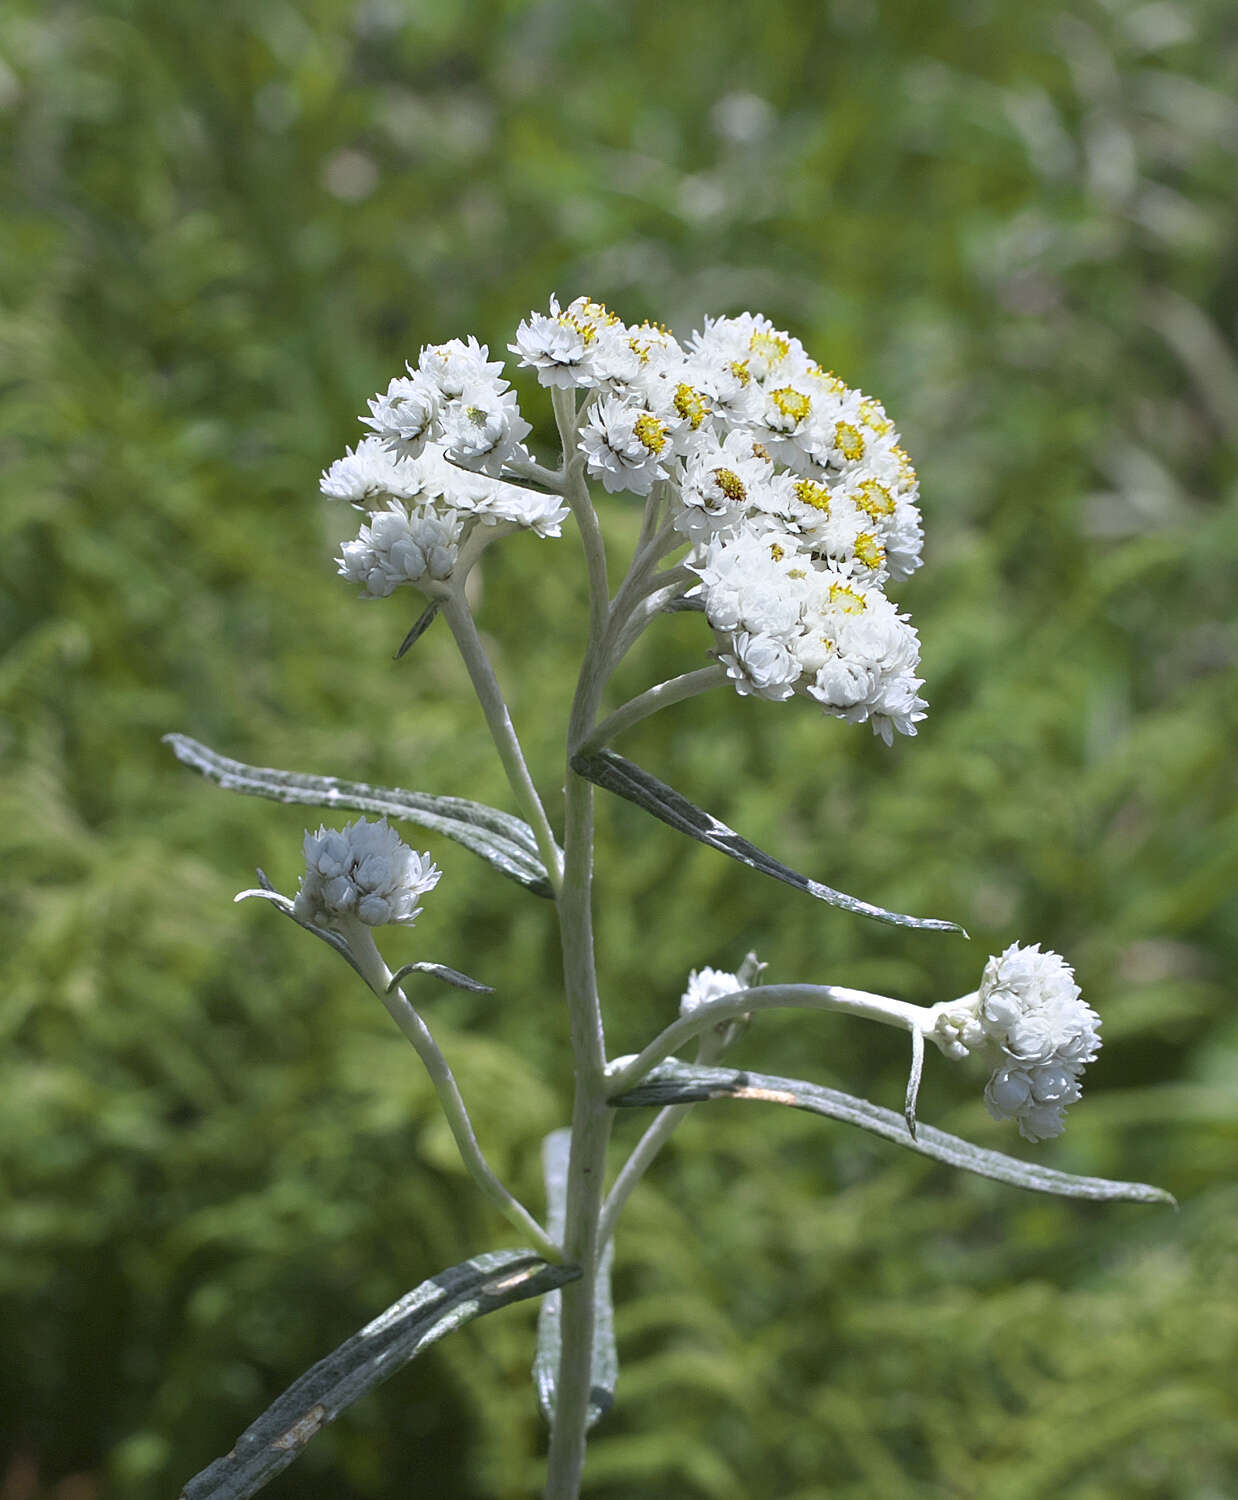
column 429, row 472
column 790, row 487
column 363, row 871
column 1028, row 1009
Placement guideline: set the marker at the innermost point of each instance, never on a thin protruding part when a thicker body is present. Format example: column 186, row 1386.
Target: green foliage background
column 223, row 227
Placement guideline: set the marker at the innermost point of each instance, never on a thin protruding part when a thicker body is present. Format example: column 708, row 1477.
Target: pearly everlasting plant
column 778, row 504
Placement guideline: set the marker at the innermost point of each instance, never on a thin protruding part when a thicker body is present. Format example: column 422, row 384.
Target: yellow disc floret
column 777, row 551
column 809, row 492
column 849, row 441
column 791, row 403
column 846, row 599
column 873, row 415
column 832, row 382
column 739, row 368
column 731, row 485
column 650, row 432
column 874, row 499
column 869, row 550
column 770, row 346
column 690, row 405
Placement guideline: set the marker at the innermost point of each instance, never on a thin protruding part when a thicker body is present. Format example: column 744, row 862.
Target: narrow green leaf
column 505, row 841
column 445, row 1302
column 686, row 1083
column 556, row 1150
column 625, row 779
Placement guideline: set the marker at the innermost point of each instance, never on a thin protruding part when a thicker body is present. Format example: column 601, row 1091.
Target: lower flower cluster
column 1028, row 1014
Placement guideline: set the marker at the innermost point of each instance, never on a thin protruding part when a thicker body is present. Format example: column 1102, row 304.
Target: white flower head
column 363, row 871
column 369, row 476
column 401, row 546
column 1029, row 1008
column 407, row 415
column 483, row 427
column 558, row 346
column 458, row 363
column 626, row 446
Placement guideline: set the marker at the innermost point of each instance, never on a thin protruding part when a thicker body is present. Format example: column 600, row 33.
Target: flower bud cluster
column 363, row 871
column 790, row 488
column 1028, row 1012
column 429, row 471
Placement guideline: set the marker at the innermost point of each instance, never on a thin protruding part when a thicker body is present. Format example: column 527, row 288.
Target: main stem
column 591, row 1116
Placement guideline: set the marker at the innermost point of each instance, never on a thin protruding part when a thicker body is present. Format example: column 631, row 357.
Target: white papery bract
column 371, row 475
column 1027, row 1013
column 407, row 415
column 709, row 984
column 363, row 871
column 401, row 546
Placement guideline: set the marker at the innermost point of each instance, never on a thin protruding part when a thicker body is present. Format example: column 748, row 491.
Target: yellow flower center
column 873, row 415
column 650, row 432
column 772, row 347
column 586, row 330
column 759, row 450
column 874, row 499
column 869, row 550
column 731, row 485
column 828, row 379
column 776, row 551
column 739, row 368
column 848, row 441
column 846, row 599
column 791, row 403
column 814, row 494
column 690, row 405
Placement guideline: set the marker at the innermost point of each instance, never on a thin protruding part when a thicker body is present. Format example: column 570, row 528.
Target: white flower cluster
column 708, row 984
column 1028, row 1008
column 790, row 487
column 429, row 471
column 364, row 871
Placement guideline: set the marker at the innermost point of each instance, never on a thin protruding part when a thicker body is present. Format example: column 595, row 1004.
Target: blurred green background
column 223, row 227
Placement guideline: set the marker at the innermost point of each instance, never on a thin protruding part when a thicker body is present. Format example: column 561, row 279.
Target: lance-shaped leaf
column 615, row 774
column 556, row 1150
column 445, row 1302
column 505, row 841
column 686, row 1083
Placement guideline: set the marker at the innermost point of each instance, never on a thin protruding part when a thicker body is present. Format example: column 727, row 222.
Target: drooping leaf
column 505, row 841
column 265, row 891
column 687, row 1083
column 445, row 1302
column 615, row 774
column 423, row 622
column 442, row 972
column 556, row 1150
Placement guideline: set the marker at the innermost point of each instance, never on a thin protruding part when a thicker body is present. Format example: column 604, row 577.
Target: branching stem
column 401, row 1010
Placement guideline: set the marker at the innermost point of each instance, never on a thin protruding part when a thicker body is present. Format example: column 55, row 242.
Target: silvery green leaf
column 556, row 1150
column 505, row 841
column 441, row 971
column 686, row 1083
column 615, row 774
column 267, row 892
column 445, row 1302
